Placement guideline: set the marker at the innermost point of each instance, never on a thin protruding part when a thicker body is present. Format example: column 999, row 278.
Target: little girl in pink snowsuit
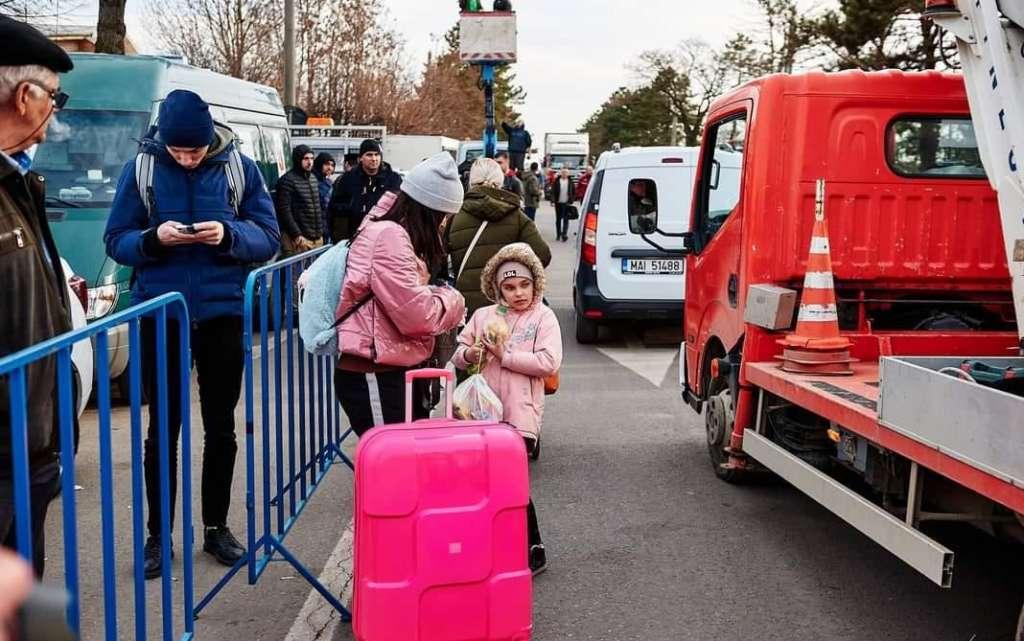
column 520, row 343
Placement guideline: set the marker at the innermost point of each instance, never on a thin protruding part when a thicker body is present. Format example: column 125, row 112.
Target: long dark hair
column 422, row 225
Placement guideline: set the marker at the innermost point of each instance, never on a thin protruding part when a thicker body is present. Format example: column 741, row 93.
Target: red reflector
column 81, row 290
column 593, row 313
column 672, row 160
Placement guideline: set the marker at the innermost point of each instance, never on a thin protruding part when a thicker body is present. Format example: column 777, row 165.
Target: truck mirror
column 716, row 171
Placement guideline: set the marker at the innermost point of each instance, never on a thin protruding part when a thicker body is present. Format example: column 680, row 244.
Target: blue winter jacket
column 211, row 278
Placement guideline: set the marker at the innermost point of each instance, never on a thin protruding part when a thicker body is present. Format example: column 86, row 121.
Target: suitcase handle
column 429, row 372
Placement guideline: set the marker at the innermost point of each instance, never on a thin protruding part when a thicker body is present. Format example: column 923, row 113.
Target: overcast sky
column 572, row 53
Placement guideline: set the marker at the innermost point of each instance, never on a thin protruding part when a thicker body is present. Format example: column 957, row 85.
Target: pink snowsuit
column 533, row 351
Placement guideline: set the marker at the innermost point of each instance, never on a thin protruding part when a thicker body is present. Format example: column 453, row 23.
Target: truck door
column 712, row 306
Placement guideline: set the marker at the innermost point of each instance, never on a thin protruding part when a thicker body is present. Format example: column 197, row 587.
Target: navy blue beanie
column 184, row 120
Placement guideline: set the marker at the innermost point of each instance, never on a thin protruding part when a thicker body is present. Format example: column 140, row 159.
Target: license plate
column 652, row 265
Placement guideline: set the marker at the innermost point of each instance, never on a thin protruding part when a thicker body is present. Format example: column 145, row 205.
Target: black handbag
column 571, row 212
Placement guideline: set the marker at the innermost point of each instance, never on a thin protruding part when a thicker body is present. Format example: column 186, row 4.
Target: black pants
column 516, row 159
column 44, row 480
column 219, row 360
column 378, row 398
column 562, row 219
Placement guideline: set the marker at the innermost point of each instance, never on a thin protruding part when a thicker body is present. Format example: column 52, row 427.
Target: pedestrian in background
column 519, row 143
column 195, row 241
column 511, row 182
column 532, row 192
column 492, row 216
column 583, row 183
column 393, row 311
column 36, row 305
column 562, row 194
column 323, row 170
column 297, row 200
column 358, row 190
column 515, row 367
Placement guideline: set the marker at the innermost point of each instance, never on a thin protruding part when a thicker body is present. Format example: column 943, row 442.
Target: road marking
column 317, row 620
column 651, row 363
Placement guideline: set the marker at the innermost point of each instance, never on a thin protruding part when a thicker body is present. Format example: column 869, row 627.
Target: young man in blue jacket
column 194, row 235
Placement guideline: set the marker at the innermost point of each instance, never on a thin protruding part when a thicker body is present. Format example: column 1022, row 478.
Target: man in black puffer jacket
column 297, row 200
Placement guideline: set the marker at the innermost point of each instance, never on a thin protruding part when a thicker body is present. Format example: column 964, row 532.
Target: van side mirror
column 716, row 172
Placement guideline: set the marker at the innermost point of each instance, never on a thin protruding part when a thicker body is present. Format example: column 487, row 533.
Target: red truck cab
column 914, row 228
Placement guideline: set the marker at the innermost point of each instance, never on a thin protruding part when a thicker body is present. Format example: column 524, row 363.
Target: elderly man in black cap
column 35, row 304
column 359, row 189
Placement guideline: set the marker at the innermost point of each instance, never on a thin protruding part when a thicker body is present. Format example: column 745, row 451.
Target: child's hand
column 474, row 354
column 496, row 348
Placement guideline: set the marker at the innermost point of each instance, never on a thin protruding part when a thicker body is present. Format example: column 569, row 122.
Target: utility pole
column 289, row 53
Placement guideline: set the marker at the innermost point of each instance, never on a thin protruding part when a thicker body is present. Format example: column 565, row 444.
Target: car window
column 721, row 173
column 642, row 205
column 276, row 142
column 248, row 139
column 82, row 158
column 593, row 202
column 929, row 147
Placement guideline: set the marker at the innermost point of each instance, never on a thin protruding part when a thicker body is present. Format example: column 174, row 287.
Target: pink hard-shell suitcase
column 440, row 530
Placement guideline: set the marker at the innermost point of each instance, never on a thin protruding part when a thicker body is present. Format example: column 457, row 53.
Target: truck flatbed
column 852, row 403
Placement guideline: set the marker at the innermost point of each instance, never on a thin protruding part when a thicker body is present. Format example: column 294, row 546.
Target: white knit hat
column 486, row 171
column 435, row 184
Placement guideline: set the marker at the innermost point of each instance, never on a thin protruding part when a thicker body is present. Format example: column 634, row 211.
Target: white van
column 635, row 191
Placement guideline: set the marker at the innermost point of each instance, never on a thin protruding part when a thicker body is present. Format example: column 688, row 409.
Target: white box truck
column 403, row 152
column 569, row 151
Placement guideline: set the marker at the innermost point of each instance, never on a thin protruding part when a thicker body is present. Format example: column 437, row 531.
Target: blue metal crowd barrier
column 14, row 368
column 300, row 432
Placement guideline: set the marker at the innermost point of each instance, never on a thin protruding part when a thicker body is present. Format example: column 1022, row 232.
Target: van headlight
column 102, row 300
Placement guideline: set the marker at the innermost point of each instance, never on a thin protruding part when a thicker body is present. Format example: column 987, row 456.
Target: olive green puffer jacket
column 506, row 223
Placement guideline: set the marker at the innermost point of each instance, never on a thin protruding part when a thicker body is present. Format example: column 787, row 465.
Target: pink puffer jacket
column 396, row 328
column 533, row 351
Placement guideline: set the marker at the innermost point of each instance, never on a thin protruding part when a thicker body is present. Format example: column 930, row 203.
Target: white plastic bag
column 474, row 400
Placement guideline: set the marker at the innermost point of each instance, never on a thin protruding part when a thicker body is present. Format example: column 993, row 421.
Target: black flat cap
column 26, row 45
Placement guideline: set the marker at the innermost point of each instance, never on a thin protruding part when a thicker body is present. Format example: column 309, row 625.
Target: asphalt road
column 643, row 541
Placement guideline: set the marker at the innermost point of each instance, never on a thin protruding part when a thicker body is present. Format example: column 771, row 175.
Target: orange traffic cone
column 816, row 346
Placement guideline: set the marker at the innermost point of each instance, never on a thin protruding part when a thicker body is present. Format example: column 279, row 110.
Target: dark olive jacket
column 506, row 223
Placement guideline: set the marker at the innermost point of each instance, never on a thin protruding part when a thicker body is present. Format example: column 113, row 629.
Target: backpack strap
column 144, row 180
column 469, row 251
column 236, row 179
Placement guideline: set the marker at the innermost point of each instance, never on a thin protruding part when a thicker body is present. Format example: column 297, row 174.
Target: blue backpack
column 319, row 297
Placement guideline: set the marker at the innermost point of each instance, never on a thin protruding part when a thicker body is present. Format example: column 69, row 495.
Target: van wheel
column 718, row 424
column 586, row 329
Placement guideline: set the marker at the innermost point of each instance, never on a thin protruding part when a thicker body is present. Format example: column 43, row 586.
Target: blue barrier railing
column 299, row 434
column 15, row 367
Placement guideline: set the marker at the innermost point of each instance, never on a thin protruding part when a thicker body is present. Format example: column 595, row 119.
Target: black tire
column 123, row 384
column 586, row 329
column 718, row 426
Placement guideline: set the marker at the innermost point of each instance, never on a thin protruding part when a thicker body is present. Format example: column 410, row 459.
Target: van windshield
column 566, row 162
column 83, row 155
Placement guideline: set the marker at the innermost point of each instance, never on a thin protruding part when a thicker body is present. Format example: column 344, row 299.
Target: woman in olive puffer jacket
column 486, row 203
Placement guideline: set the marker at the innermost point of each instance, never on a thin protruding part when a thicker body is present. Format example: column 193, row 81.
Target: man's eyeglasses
column 58, row 97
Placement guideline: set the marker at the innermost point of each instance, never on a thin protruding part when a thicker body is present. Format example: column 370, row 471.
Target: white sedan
column 82, row 351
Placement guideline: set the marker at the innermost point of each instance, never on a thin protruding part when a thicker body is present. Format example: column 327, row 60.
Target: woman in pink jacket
column 519, row 343
column 393, row 312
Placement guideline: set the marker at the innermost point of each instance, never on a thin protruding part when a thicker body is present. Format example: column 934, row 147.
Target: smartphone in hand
column 187, row 229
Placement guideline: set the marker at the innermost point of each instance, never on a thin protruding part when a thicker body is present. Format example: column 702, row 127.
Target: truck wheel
column 718, row 423
column 586, row 329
